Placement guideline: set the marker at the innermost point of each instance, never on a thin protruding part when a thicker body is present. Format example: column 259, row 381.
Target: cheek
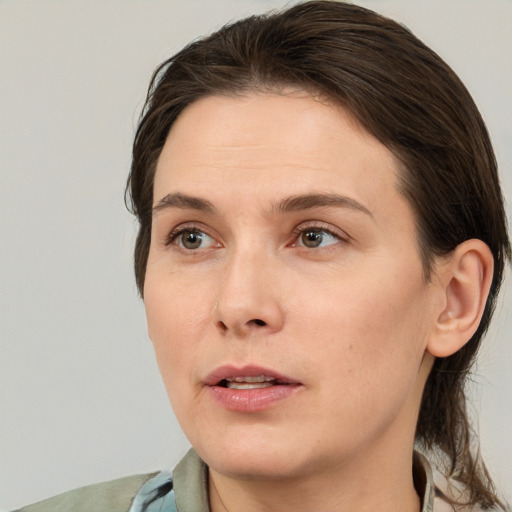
column 374, row 370
column 176, row 322
column 173, row 301
column 370, row 329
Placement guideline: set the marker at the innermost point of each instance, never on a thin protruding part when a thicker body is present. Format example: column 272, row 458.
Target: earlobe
column 466, row 278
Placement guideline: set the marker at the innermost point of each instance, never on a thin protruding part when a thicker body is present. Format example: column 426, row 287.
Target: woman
column 322, row 239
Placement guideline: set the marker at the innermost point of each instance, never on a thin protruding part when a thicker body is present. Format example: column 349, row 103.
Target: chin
column 258, row 454
column 252, row 466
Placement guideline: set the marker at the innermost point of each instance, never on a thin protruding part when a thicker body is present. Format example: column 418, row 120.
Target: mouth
column 249, row 389
column 247, row 377
column 246, row 382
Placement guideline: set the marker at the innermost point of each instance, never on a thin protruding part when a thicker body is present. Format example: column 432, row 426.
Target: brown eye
column 192, row 239
column 313, row 238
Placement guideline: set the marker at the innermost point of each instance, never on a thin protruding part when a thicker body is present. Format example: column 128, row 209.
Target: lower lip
column 252, row 400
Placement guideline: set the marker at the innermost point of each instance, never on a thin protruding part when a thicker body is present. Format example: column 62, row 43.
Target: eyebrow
column 183, row 201
column 290, row 204
column 310, row 201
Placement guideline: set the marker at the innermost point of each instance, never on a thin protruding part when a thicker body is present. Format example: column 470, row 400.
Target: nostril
column 241, row 329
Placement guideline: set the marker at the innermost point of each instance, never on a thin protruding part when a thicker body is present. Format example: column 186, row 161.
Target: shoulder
column 438, row 493
column 448, row 490
column 113, row 496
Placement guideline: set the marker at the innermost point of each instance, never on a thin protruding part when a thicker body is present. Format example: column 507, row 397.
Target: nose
column 248, row 300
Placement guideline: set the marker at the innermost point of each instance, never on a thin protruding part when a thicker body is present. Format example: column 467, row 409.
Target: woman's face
column 284, row 292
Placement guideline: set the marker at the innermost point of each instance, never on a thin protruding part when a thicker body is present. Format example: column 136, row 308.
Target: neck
column 382, row 483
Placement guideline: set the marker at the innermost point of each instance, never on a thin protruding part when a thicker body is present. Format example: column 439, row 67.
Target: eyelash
column 178, row 231
column 320, row 227
column 297, row 231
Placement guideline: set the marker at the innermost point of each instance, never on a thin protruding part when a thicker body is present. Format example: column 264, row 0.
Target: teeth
column 260, row 381
column 259, row 378
column 248, row 385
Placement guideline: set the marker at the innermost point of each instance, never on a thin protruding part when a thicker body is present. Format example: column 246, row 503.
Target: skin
column 350, row 319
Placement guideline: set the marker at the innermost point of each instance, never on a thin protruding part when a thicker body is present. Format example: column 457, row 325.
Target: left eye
column 313, row 238
column 192, row 239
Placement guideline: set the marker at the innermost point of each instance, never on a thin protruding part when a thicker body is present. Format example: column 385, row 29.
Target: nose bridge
column 247, row 297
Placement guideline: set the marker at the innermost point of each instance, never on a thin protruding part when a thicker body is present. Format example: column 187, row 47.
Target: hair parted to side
column 405, row 96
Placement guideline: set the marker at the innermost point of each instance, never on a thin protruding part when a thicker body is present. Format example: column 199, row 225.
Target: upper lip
column 230, row 372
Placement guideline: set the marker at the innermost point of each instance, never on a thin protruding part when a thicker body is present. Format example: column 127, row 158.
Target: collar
column 186, row 489
column 423, row 481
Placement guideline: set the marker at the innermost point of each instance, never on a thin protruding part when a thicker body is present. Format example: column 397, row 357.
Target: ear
column 465, row 278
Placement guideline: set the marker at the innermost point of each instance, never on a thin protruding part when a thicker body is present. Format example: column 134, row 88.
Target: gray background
column 80, row 396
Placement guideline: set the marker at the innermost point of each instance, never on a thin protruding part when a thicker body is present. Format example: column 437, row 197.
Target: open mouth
column 249, row 389
column 257, row 382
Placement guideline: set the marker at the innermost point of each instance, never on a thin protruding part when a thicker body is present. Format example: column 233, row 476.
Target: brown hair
column 410, row 100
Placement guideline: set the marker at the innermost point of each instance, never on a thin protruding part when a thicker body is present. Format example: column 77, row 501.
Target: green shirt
column 186, row 490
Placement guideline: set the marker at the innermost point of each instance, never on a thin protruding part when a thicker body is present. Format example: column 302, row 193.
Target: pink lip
column 229, row 371
column 249, row 400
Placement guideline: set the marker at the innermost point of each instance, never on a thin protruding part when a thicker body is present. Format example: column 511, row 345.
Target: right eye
column 191, row 239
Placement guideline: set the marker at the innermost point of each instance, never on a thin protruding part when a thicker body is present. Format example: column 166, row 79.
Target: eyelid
column 322, row 226
column 188, row 226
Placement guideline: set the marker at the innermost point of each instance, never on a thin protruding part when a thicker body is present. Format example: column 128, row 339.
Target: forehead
column 261, row 146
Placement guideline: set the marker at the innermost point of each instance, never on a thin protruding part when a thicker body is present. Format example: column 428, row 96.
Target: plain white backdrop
column 80, row 396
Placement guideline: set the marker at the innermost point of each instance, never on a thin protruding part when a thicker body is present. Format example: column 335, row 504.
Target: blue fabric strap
column 166, row 503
